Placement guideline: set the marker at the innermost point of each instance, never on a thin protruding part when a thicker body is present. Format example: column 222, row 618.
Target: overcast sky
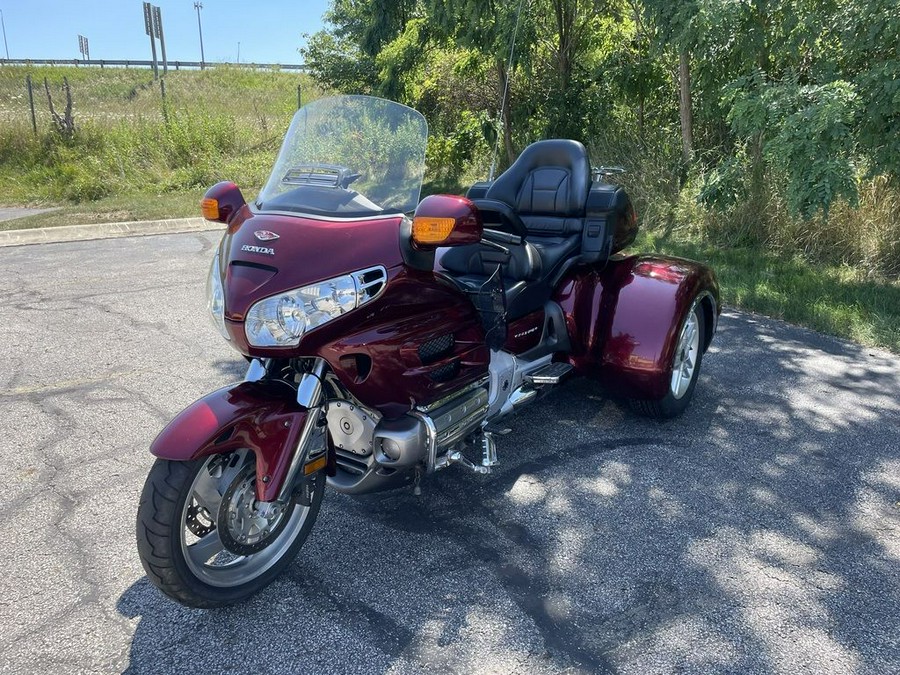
column 269, row 31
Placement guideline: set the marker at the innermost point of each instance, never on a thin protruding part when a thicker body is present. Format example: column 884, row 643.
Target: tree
column 490, row 28
column 343, row 55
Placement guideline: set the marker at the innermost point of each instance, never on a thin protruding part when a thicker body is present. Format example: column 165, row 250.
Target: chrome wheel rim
column 203, row 548
column 686, row 353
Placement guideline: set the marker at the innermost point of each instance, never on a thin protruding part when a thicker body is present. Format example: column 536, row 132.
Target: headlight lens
column 280, row 321
column 215, row 297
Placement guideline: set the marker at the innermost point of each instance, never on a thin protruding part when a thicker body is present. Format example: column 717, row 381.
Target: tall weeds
column 668, row 200
column 216, row 124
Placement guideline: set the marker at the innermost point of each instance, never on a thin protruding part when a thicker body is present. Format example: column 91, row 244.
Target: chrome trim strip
column 458, row 430
column 362, row 286
column 330, row 219
column 449, row 397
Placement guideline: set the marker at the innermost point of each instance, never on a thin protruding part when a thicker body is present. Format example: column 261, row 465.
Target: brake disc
column 247, row 526
column 198, row 520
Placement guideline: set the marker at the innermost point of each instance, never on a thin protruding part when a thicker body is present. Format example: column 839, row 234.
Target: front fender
column 624, row 320
column 262, row 416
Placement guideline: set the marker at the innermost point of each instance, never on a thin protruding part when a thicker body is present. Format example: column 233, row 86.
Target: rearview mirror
column 222, row 201
column 446, row 220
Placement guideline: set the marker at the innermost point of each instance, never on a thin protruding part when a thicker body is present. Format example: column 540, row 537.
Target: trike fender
column 261, row 416
column 624, row 319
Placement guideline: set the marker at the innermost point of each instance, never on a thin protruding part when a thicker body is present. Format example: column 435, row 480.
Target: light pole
column 198, row 6
column 239, row 52
column 3, row 23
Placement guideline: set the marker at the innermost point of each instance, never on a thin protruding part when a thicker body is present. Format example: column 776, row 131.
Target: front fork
column 310, row 395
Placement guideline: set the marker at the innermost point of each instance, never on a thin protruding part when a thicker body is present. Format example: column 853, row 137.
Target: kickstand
column 417, row 488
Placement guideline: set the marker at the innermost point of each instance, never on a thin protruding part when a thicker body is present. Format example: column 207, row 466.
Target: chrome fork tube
column 309, row 395
column 309, row 391
column 256, row 370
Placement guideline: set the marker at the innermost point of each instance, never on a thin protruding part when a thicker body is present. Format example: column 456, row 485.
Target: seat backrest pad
column 547, row 186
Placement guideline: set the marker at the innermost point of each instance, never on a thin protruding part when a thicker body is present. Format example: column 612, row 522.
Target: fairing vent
column 445, row 372
column 350, row 463
column 431, row 351
column 370, row 282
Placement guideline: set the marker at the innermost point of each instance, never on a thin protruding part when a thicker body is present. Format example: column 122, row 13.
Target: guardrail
column 128, row 63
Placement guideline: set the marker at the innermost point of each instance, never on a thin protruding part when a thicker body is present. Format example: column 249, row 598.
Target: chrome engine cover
column 351, row 427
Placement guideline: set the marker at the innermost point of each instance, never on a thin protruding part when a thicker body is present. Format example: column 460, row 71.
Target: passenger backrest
column 547, row 186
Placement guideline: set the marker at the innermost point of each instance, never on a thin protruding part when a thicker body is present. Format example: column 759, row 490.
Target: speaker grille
column 431, row 351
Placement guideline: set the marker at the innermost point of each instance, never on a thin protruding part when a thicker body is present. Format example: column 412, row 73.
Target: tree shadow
column 758, row 533
column 231, row 368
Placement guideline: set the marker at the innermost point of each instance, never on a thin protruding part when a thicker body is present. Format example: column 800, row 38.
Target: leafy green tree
column 488, row 27
column 798, row 98
column 343, row 55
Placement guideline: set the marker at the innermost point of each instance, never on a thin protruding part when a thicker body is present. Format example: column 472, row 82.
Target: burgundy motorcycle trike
column 383, row 347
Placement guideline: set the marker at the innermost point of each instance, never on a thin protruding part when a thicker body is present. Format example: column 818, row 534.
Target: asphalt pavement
column 758, row 533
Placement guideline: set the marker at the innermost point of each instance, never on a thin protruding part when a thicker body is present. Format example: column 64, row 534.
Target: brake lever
column 494, row 245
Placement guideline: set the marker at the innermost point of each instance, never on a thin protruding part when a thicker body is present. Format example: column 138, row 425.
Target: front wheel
column 685, row 371
column 205, row 541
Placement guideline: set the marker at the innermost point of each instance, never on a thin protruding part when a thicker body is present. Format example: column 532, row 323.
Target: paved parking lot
column 759, row 533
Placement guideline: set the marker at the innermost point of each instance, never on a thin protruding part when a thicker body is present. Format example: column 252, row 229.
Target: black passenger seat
column 547, row 187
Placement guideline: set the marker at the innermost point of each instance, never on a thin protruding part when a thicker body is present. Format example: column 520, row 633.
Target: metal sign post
column 84, row 48
column 31, row 102
column 198, row 6
column 158, row 31
column 148, row 27
column 3, row 23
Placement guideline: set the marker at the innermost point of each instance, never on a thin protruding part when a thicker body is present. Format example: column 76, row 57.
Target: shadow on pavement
column 758, row 533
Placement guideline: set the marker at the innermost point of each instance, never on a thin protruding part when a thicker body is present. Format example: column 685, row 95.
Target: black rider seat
column 547, row 188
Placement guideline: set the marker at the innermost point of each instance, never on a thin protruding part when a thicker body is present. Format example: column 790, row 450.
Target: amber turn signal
column 210, row 208
column 315, row 465
column 428, row 230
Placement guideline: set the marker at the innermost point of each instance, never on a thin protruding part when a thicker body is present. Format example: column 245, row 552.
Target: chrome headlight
column 215, row 297
column 281, row 320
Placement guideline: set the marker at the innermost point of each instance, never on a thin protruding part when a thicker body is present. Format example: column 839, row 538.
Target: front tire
column 190, row 510
column 685, row 371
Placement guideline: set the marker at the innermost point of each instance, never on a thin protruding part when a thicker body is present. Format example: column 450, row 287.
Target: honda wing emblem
column 265, row 235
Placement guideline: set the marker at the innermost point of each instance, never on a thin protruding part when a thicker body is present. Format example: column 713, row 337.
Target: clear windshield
column 349, row 156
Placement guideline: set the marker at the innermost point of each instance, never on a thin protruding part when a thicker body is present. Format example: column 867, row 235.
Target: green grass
column 114, row 93
column 834, row 299
column 214, row 124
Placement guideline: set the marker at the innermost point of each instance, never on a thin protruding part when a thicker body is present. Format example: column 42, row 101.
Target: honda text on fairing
column 387, row 336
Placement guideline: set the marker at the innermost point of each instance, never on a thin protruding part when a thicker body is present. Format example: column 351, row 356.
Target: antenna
column 512, row 51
